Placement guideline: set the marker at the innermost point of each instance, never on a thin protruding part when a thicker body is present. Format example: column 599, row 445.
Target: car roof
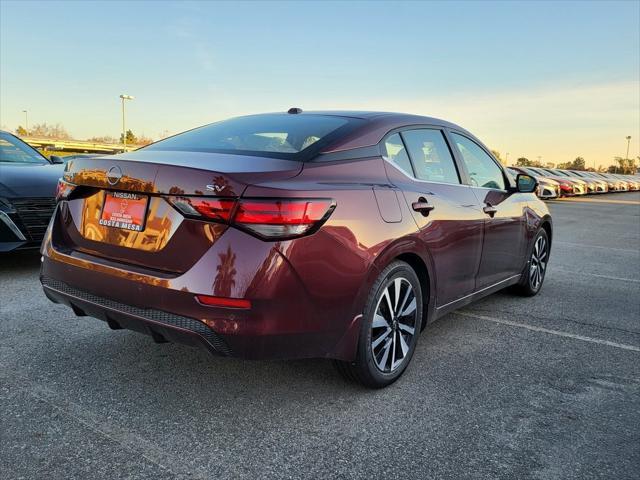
column 389, row 117
column 376, row 125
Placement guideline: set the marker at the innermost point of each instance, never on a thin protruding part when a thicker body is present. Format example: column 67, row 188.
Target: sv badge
column 216, row 188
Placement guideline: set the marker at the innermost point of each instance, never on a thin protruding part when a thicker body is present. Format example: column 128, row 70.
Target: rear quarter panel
column 537, row 213
column 338, row 264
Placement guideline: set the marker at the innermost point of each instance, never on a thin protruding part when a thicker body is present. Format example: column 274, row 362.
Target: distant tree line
column 622, row 165
column 133, row 140
column 58, row 132
column 625, row 165
column 577, row 164
column 44, row 130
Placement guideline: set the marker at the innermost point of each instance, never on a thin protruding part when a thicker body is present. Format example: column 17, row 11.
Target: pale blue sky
column 546, row 79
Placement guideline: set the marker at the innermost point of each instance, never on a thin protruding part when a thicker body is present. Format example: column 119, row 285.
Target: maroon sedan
column 323, row 234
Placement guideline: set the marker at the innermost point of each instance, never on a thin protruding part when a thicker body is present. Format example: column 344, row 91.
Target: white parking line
column 596, row 200
column 127, row 439
column 558, row 333
column 597, row 246
column 573, row 272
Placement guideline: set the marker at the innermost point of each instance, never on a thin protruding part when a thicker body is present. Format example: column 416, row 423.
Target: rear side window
column 397, row 154
column 483, row 171
column 430, row 155
column 281, row 135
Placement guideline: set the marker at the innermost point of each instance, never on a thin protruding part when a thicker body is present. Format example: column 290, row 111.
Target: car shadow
column 132, row 367
column 128, row 362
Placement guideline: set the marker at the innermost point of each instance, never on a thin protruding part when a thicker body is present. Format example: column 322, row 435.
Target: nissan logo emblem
column 114, row 174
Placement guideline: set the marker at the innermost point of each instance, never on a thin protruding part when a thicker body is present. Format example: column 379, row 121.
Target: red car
column 324, row 234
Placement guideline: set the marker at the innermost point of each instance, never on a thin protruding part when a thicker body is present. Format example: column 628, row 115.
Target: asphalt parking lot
column 542, row 388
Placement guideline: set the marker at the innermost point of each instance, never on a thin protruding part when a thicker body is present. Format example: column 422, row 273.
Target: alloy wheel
column 394, row 325
column 538, row 262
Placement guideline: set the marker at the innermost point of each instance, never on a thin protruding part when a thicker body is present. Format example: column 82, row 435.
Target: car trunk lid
column 185, row 173
column 167, row 240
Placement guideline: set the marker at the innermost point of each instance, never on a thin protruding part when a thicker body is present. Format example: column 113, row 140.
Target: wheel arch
column 418, row 265
column 547, row 226
column 410, row 250
column 413, row 252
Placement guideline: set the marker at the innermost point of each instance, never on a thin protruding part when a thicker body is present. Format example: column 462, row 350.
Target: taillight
column 211, row 208
column 278, row 218
column 63, row 190
column 269, row 218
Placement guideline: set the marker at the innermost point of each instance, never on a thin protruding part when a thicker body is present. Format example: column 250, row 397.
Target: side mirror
column 526, row 183
column 56, row 160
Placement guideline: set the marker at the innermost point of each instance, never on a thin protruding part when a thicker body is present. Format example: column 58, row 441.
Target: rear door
column 449, row 219
column 505, row 213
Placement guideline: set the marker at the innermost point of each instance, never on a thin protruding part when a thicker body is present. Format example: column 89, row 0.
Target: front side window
column 280, row 135
column 430, row 155
column 483, row 170
column 13, row 150
column 397, row 154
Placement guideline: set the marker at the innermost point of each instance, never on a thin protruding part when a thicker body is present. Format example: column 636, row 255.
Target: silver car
column 547, row 187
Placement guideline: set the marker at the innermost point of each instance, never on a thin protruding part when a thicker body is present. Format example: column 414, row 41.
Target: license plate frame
column 124, row 211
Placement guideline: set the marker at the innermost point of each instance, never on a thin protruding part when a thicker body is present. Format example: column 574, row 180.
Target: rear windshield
column 272, row 135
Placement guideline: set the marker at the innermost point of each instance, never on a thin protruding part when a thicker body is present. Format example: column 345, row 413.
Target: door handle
column 422, row 206
column 490, row 210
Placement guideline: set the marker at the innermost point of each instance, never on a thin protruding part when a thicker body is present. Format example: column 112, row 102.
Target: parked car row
column 557, row 183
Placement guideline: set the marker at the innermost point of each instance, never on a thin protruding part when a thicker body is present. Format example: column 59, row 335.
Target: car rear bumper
column 257, row 333
column 284, row 321
column 161, row 326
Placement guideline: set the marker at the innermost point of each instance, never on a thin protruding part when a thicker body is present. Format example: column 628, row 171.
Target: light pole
column 507, row 158
column 26, row 121
column 124, row 129
column 627, row 156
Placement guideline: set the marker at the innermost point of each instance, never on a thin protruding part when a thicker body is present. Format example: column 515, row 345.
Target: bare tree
column 103, row 139
column 627, row 166
column 56, row 131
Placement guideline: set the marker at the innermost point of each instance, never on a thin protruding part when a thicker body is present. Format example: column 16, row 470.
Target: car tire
column 389, row 329
column 536, row 267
